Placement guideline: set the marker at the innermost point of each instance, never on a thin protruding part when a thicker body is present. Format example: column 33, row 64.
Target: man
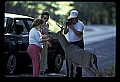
column 73, row 31
column 45, row 17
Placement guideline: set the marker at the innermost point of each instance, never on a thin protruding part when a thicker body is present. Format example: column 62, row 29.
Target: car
column 16, row 41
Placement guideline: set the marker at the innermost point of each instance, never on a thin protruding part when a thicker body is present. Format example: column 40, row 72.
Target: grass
column 109, row 71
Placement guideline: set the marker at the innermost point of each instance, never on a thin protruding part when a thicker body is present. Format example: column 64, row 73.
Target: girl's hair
column 37, row 22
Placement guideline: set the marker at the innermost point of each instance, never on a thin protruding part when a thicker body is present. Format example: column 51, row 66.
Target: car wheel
column 56, row 62
column 11, row 64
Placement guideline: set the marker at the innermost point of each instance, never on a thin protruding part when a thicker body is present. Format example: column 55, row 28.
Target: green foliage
column 89, row 12
column 53, row 27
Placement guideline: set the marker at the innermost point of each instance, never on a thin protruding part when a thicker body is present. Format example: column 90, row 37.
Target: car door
column 22, row 39
column 21, row 35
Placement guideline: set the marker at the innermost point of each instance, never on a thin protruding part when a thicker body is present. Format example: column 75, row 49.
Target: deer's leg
column 94, row 66
column 90, row 71
column 72, row 67
column 69, row 67
column 95, row 69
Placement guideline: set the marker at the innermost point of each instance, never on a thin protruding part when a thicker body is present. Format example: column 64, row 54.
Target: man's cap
column 73, row 14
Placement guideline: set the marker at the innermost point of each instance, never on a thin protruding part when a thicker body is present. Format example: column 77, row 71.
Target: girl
column 35, row 46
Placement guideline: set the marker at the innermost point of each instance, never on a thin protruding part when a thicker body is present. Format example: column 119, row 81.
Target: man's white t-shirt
column 34, row 37
column 71, row 36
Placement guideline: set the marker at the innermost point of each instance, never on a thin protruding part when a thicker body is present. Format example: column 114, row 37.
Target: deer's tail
column 95, row 60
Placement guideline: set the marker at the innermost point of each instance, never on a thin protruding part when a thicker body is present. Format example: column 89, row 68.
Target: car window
column 8, row 25
column 29, row 23
column 20, row 22
column 5, row 20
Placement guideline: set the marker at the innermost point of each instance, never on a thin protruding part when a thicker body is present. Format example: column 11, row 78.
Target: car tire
column 56, row 62
column 11, row 64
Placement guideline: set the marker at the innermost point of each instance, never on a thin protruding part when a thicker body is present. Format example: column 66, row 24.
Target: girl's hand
column 49, row 44
column 44, row 36
column 49, row 38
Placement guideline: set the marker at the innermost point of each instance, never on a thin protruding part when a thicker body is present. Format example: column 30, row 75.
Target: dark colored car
column 16, row 32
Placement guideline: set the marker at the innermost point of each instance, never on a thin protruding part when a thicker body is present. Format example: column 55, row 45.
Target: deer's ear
column 59, row 32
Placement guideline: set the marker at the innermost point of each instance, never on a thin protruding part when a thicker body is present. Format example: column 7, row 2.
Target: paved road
column 98, row 33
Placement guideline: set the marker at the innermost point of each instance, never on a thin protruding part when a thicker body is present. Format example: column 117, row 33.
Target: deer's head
column 59, row 33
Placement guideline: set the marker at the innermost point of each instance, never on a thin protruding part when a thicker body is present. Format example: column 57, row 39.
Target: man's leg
column 79, row 72
column 43, row 61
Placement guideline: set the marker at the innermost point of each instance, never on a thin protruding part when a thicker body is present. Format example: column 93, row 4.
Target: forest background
column 91, row 13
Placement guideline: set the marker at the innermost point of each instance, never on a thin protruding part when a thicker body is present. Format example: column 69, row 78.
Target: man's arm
column 78, row 33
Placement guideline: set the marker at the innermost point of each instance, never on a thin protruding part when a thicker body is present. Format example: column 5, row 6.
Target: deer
column 77, row 56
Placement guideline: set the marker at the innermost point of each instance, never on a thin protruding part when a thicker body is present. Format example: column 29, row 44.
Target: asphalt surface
column 105, row 51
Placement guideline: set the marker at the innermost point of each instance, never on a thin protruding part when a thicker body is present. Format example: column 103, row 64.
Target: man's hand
column 71, row 26
column 78, row 33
